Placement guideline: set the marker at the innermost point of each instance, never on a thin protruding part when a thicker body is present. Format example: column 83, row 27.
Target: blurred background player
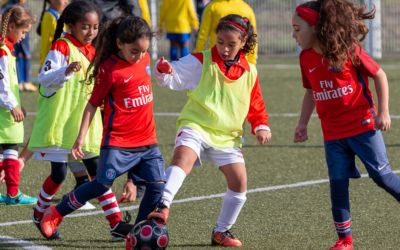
column 47, row 25
column 23, row 55
column 178, row 21
column 216, row 10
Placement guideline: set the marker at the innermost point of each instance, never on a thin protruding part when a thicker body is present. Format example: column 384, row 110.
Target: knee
column 238, row 184
column 384, row 181
column 58, row 172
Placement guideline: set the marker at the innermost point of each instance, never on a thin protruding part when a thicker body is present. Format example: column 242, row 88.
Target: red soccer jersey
column 128, row 102
column 343, row 99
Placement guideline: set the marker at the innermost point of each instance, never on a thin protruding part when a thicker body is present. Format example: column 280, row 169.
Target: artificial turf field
column 288, row 205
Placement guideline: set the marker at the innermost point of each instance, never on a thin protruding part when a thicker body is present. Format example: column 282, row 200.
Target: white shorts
column 56, row 154
column 218, row 156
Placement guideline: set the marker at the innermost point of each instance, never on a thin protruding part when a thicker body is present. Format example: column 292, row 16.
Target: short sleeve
column 306, row 82
column 102, row 86
column 367, row 65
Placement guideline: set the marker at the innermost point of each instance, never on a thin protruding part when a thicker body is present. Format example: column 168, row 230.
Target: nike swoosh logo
column 311, row 70
column 381, row 167
column 127, row 80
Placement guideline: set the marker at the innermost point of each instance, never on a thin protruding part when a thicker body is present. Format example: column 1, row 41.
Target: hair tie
column 245, row 19
column 307, row 14
column 236, row 25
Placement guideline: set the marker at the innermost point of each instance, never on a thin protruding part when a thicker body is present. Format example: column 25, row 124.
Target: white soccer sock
column 175, row 178
column 231, row 207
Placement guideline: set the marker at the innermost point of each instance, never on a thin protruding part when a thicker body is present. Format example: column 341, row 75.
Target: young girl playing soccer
column 63, row 95
column 15, row 23
column 223, row 92
column 129, row 144
column 335, row 71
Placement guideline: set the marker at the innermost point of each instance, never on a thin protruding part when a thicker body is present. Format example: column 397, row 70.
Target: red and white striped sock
column 110, row 207
column 47, row 192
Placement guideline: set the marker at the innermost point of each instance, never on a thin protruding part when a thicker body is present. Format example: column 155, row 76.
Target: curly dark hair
column 249, row 35
column 340, row 28
column 127, row 29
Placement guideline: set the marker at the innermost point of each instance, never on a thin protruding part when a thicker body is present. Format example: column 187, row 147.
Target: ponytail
column 4, row 25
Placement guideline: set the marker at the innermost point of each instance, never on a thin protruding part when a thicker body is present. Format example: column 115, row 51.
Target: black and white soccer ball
column 147, row 235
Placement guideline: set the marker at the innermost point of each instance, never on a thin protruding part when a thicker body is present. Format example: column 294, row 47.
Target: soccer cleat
column 55, row 236
column 50, row 222
column 2, row 198
column 342, row 244
column 225, row 239
column 160, row 213
column 120, row 231
column 20, row 199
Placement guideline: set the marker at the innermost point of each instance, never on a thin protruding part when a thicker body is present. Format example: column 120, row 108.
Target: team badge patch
column 110, row 174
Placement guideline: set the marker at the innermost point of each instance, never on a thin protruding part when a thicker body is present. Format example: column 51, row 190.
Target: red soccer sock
column 11, row 168
column 110, row 207
column 47, row 192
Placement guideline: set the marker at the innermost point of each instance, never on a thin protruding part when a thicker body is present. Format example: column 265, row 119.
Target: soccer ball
column 147, row 235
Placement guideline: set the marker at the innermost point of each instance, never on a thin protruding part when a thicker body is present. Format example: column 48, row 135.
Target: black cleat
column 120, row 231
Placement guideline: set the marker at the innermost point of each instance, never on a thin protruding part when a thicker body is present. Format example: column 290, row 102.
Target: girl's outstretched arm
column 184, row 74
column 382, row 120
column 307, row 108
column 87, row 118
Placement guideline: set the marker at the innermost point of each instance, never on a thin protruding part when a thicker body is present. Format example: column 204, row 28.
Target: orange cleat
column 50, row 221
column 343, row 244
column 160, row 214
column 225, row 239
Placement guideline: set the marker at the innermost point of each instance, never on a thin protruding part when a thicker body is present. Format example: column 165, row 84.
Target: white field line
column 22, row 243
column 196, row 198
column 174, row 114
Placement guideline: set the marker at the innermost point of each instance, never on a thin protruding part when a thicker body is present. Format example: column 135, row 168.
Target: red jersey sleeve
column 199, row 56
column 102, row 86
column 257, row 114
column 367, row 65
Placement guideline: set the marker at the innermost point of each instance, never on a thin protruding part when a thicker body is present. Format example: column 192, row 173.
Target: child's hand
column 17, row 114
column 2, row 176
column 263, row 136
column 21, row 164
column 129, row 192
column 164, row 66
column 382, row 121
column 76, row 150
column 73, row 67
column 300, row 133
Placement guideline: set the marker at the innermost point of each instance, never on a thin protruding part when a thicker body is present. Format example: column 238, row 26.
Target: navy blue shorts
column 179, row 37
column 368, row 146
column 142, row 166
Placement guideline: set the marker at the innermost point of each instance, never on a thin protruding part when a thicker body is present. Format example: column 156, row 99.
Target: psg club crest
column 110, row 174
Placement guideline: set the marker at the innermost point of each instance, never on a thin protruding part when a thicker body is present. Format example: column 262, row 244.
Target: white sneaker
column 87, row 206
